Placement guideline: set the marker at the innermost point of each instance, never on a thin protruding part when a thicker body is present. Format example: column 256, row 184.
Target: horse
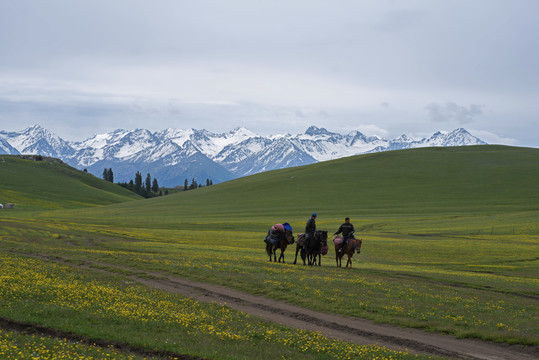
column 313, row 248
column 351, row 246
column 284, row 239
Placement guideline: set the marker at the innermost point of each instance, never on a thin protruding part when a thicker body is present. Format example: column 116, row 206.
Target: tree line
column 195, row 185
column 150, row 188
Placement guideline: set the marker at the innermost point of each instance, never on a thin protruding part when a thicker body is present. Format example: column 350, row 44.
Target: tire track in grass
column 33, row 329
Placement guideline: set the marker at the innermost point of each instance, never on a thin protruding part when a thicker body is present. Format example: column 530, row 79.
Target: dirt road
column 353, row 330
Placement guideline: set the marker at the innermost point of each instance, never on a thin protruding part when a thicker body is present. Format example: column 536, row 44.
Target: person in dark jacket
column 310, row 228
column 347, row 230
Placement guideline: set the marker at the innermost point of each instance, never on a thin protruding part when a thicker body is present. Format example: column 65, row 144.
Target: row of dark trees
column 108, row 175
column 148, row 189
column 195, row 185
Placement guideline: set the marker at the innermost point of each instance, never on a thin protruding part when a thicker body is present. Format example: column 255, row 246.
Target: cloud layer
column 399, row 66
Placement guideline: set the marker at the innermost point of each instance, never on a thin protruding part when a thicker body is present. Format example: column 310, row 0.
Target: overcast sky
column 382, row 67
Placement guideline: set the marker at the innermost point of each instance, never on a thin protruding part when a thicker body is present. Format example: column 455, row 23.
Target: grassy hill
column 51, row 184
column 487, row 180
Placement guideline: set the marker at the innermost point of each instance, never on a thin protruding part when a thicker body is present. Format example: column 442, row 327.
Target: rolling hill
column 51, row 184
column 453, row 181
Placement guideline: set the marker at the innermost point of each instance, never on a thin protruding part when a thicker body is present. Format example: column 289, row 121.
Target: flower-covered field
column 17, row 346
column 57, row 296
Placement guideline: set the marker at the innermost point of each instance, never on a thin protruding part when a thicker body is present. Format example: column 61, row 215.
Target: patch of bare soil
column 354, row 330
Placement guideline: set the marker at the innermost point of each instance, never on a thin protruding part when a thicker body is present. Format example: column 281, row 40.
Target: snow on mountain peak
column 404, row 138
column 239, row 134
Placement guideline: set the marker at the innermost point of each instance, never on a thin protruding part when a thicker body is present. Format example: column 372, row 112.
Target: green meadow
column 450, row 245
column 44, row 184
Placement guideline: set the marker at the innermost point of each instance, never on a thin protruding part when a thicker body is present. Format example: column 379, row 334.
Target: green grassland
column 451, row 240
column 50, row 184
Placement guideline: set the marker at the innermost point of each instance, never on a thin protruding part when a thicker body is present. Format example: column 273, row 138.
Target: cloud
column 395, row 21
column 493, row 138
column 451, row 112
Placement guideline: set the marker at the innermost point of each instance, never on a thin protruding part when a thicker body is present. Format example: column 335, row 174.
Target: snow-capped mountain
column 173, row 155
column 6, row 148
column 37, row 140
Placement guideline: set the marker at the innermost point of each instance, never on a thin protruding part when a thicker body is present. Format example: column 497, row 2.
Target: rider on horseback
column 347, row 230
column 310, row 229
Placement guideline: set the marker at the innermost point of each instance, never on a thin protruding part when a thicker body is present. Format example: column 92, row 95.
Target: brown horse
column 351, row 246
column 284, row 239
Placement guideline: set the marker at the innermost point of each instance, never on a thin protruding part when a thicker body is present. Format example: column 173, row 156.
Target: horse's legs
column 296, row 259
column 282, row 256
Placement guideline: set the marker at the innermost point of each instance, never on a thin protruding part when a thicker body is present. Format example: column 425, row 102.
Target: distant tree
column 148, row 182
column 85, row 170
column 108, row 175
column 185, row 184
column 211, row 182
column 155, row 186
column 166, row 191
column 138, row 182
column 193, row 185
column 207, row 182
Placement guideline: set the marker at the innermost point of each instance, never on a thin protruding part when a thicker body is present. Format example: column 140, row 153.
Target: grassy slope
column 486, row 180
column 54, row 185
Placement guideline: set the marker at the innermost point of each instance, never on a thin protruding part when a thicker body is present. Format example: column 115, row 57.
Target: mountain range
column 173, row 155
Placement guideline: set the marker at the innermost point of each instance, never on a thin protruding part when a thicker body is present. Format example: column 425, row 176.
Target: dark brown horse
column 313, row 248
column 284, row 239
column 353, row 245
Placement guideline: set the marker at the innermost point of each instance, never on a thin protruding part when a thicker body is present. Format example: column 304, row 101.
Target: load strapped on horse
column 279, row 237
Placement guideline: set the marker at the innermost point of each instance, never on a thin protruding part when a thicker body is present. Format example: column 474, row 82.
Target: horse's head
column 324, row 237
column 358, row 245
column 289, row 236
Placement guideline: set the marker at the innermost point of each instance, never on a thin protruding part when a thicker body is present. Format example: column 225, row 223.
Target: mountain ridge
column 172, row 155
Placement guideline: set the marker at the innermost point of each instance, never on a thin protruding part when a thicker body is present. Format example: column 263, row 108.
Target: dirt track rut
column 348, row 329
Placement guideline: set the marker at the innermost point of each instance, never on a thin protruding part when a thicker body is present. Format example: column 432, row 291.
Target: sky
column 382, row 67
